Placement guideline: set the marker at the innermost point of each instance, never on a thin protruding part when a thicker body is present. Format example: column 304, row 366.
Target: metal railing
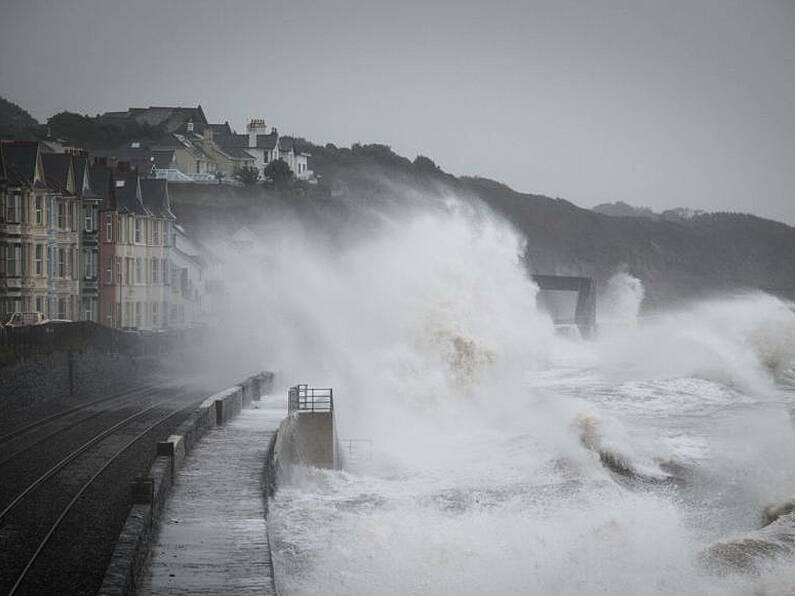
column 302, row 398
column 357, row 449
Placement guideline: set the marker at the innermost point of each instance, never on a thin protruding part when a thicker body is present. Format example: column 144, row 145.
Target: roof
column 232, row 140
column 101, row 177
column 221, row 129
column 164, row 158
column 286, row 144
column 267, row 141
column 83, row 185
column 237, row 153
column 170, row 118
column 136, row 153
column 57, row 168
column 127, row 190
column 154, row 192
column 179, row 141
column 19, row 162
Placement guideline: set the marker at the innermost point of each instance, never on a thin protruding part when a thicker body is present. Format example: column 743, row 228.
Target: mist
column 506, row 457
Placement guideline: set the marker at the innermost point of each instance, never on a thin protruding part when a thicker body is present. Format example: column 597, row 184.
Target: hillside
column 676, row 258
column 14, row 121
column 678, row 254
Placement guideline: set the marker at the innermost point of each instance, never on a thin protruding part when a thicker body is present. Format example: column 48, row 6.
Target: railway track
column 78, row 503
column 60, row 415
column 14, row 444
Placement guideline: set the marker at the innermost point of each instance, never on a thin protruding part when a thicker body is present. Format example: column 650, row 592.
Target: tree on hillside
column 426, row 164
column 94, row 133
column 279, row 173
column 248, row 175
column 14, row 121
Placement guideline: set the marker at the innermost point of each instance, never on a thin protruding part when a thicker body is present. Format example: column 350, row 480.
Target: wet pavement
column 213, row 535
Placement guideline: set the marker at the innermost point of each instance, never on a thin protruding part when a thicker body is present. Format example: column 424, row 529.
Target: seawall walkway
column 213, row 533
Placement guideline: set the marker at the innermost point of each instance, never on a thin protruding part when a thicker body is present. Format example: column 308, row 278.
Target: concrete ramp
column 308, row 436
column 569, row 300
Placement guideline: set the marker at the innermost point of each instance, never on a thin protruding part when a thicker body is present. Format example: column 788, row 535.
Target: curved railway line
column 23, row 433
column 58, row 529
column 58, row 415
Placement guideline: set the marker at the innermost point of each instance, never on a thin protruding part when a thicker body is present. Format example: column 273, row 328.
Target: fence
column 19, row 343
column 309, row 399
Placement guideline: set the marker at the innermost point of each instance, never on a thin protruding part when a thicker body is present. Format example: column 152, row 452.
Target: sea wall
column 149, row 493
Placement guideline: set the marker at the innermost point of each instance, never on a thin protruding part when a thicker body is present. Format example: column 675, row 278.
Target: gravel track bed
column 19, row 417
column 37, row 459
column 75, row 559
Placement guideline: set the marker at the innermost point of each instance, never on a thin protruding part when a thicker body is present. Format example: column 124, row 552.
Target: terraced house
column 63, row 238
column 91, row 202
column 135, row 229
column 26, row 203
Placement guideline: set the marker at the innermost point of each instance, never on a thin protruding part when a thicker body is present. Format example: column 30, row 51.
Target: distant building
column 63, row 244
column 135, row 234
column 91, row 202
column 265, row 145
column 25, row 208
column 169, row 118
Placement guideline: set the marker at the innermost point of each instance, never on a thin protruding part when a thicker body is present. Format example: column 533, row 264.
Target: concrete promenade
column 213, row 533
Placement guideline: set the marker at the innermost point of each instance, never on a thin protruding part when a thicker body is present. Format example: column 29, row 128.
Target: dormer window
column 135, row 145
column 190, row 126
column 120, row 183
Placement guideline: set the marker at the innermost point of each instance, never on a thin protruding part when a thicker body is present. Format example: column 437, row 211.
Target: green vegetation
column 93, row 133
column 279, row 174
column 248, row 175
column 16, row 122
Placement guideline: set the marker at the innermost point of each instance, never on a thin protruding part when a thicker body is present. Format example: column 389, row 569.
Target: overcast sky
column 656, row 103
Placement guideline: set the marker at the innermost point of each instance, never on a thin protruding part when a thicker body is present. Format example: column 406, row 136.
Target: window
column 138, row 272
column 12, row 256
column 12, row 209
column 155, row 314
column 39, row 260
column 109, row 228
column 155, row 271
column 61, row 308
column 61, row 263
column 117, row 266
column 128, row 314
column 88, row 216
column 61, row 211
column 86, row 309
column 109, row 271
column 164, row 271
column 39, row 304
column 74, row 216
column 156, row 233
column 138, row 231
column 39, row 210
column 137, row 314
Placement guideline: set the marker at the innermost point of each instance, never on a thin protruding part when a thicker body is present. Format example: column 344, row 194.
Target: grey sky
column 658, row 103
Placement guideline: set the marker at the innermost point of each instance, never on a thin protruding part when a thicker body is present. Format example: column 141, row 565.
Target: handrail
column 302, row 398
